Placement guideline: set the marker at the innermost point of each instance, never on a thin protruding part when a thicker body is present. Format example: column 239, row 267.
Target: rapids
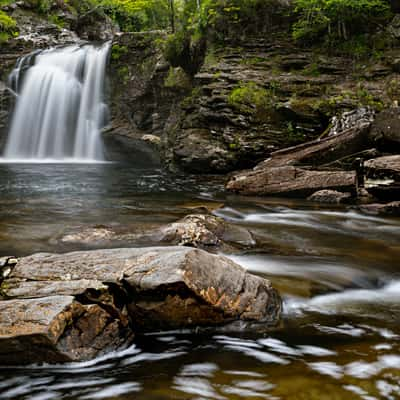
column 336, row 268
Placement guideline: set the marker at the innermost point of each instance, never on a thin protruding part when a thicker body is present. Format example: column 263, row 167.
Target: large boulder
column 387, row 167
column 385, row 130
column 75, row 306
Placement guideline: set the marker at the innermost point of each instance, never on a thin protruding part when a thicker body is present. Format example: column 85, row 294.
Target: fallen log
column 291, row 181
column 321, row 151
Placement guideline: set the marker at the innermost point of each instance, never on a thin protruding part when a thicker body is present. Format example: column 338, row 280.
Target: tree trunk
column 172, row 15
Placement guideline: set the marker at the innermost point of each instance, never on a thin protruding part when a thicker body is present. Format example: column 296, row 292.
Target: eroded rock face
column 78, row 305
column 56, row 329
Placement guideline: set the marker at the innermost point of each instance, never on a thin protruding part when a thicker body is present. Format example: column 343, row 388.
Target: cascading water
column 59, row 111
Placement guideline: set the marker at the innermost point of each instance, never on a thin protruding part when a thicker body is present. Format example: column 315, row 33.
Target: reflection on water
column 337, row 270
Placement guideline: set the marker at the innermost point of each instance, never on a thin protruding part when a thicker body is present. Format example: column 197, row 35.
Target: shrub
column 8, row 27
column 341, row 19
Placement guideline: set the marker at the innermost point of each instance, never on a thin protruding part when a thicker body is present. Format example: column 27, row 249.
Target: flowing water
column 59, row 110
column 337, row 269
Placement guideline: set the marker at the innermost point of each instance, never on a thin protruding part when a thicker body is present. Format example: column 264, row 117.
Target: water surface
column 337, row 269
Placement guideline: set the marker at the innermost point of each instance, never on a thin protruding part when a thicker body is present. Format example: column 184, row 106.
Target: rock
column 5, row 104
column 75, row 306
column 291, row 181
column 207, row 232
column 385, row 130
column 202, row 231
column 392, row 209
column 330, row 197
column 387, row 167
column 56, row 329
column 383, row 189
column 394, row 27
column 351, row 119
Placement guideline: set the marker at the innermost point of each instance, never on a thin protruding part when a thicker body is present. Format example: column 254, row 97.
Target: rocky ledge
column 352, row 163
column 76, row 306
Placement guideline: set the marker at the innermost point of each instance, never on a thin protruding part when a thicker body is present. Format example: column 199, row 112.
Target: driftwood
column 291, row 181
column 321, row 151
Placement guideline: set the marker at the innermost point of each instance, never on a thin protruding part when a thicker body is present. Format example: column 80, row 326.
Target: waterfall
column 60, row 108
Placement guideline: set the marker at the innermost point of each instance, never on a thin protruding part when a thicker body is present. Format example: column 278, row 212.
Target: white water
column 60, row 110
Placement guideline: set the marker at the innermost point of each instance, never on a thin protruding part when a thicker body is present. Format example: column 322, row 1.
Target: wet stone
column 76, row 306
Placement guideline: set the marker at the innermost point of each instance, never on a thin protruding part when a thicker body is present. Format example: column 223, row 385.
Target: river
column 337, row 269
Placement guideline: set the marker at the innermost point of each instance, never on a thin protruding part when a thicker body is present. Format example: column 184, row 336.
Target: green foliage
column 251, row 98
column 118, row 51
column 185, row 50
column 229, row 20
column 8, row 27
column 177, row 79
column 56, row 20
column 340, row 19
column 123, row 73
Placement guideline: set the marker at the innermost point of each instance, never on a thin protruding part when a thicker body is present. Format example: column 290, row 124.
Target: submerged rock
column 392, row 208
column 203, row 231
column 75, row 306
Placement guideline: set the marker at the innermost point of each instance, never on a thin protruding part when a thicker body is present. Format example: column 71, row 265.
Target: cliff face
column 249, row 98
column 246, row 101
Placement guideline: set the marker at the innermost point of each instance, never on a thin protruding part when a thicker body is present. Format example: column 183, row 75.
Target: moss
column 177, row 78
column 190, row 100
column 56, row 20
column 118, row 51
column 252, row 99
column 254, row 61
column 123, row 73
column 312, row 70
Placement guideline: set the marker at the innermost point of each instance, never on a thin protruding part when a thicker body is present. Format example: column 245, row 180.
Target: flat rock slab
column 390, row 209
column 291, row 181
column 75, row 306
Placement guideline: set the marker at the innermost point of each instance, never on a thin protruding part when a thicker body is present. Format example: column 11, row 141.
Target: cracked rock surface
column 76, row 306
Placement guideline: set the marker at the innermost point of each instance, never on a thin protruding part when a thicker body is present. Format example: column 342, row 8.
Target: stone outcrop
column 75, row 306
column 384, row 168
column 385, row 130
column 383, row 177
